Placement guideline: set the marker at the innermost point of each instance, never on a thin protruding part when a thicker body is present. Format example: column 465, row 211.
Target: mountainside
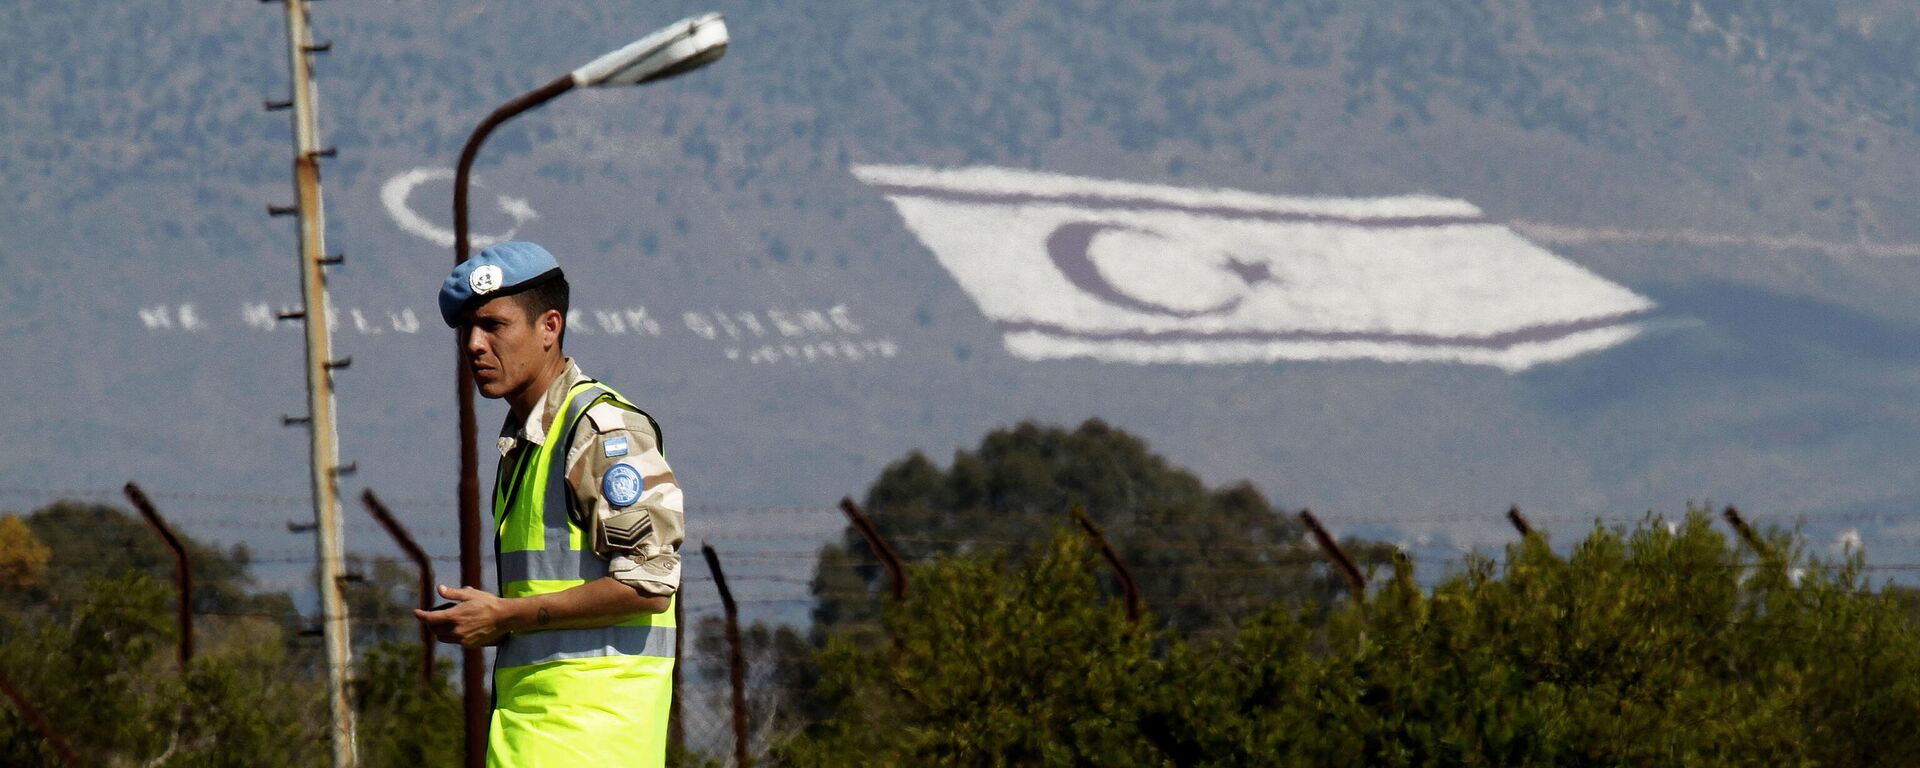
column 1733, row 177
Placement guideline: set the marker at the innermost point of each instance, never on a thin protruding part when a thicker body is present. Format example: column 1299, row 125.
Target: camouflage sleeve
column 629, row 498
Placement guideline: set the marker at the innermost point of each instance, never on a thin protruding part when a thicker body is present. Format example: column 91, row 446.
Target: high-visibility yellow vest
column 570, row 697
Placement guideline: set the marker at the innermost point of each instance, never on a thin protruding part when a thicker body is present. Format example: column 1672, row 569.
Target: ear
column 551, row 322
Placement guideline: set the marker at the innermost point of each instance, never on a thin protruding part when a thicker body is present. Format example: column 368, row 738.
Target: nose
column 475, row 344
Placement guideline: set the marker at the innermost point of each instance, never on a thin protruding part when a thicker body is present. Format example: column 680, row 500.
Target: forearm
column 597, row 603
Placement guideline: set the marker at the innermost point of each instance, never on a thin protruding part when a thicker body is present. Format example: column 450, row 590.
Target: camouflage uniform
column 641, row 541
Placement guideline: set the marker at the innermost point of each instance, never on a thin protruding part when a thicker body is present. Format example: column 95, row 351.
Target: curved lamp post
column 675, row 49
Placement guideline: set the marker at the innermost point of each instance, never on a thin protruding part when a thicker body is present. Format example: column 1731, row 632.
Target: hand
column 477, row 617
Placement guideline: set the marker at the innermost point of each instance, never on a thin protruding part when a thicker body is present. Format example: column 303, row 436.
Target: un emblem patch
column 621, row 486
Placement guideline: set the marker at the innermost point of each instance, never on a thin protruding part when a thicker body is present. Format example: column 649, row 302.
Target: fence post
column 39, row 722
column 736, row 661
column 882, row 552
column 676, row 730
column 421, row 564
column 182, row 572
column 1519, row 521
column 1355, row 582
column 896, row 576
column 1127, row 584
column 1747, row 533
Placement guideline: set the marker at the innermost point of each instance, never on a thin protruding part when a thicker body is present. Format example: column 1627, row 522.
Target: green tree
column 1032, row 667
column 93, row 649
column 402, row 722
column 381, row 601
column 84, row 669
column 95, row 540
column 1204, row 558
column 251, row 699
column 1652, row 646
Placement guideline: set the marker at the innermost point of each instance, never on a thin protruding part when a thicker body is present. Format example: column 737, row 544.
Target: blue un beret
column 501, row 270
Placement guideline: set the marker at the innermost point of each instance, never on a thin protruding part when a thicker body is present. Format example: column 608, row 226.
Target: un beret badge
column 486, row 279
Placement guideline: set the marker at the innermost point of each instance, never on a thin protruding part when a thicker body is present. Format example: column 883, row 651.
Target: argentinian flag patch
column 615, row 446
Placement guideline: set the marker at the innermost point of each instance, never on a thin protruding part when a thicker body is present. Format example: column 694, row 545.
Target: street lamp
column 675, row 49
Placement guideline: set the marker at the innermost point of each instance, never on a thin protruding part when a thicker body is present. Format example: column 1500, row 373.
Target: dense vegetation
column 1653, row 646
column 1665, row 643
column 88, row 633
column 1204, row 558
column 1172, row 531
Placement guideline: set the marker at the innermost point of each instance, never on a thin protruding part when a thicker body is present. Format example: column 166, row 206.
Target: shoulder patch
column 614, row 446
column 622, row 485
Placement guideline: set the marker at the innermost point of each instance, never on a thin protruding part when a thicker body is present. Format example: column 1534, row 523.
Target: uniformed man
column 589, row 522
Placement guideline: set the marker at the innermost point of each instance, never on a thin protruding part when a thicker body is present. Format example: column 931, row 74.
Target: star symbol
column 1251, row 272
column 518, row 208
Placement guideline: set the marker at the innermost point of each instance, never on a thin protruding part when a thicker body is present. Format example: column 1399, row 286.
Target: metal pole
column 1747, row 533
column 182, row 571
column 736, row 661
column 40, row 723
column 1520, row 522
column 1127, row 585
column 324, row 457
column 476, row 705
column 421, row 564
column 676, row 730
column 896, row 575
column 1356, row 583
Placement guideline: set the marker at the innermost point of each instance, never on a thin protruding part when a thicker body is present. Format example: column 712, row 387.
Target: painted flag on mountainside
column 1073, row 267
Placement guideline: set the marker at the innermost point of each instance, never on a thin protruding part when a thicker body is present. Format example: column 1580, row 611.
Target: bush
column 1652, row 646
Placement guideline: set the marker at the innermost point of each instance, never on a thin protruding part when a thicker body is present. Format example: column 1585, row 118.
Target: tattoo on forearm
column 543, row 617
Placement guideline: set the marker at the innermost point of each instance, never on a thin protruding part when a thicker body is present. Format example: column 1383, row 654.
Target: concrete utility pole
column 325, row 456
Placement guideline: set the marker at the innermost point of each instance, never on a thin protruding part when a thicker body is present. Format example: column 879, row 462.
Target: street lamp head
column 678, row 48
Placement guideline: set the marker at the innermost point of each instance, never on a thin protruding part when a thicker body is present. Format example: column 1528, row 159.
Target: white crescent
column 396, row 191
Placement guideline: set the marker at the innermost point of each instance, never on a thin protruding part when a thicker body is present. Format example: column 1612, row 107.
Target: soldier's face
column 506, row 349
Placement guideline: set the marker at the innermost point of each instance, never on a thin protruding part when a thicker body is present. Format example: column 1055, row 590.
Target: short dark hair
column 549, row 294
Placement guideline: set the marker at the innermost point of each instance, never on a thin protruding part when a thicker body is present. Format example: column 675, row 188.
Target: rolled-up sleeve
column 631, row 502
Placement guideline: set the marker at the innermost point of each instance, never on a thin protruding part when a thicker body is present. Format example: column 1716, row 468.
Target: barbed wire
column 304, row 503
column 1313, row 560
column 750, row 569
column 751, row 560
column 691, row 650
column 404, row 618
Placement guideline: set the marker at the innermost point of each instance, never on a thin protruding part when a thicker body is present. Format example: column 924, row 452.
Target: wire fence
column 771, row 577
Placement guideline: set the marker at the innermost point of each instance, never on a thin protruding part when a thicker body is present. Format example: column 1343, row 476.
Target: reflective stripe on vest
column 535, row 565
column 554, row 645
column 542, row 550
